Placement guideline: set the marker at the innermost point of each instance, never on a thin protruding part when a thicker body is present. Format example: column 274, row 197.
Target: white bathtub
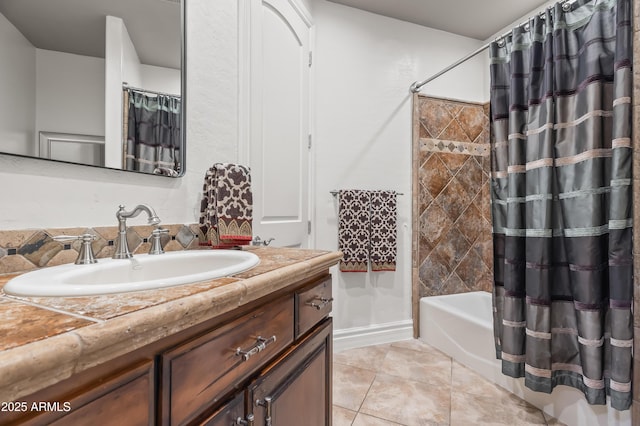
column 461, row 325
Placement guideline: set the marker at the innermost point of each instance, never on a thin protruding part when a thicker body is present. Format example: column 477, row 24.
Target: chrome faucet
column 122, row 247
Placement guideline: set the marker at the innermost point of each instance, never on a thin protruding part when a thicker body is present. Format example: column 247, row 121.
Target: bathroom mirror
column 94, row 82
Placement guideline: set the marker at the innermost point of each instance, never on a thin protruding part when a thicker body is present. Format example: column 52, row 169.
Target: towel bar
column 335, row 192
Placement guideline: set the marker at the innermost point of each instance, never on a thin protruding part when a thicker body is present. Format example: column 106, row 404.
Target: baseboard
column 376, row 334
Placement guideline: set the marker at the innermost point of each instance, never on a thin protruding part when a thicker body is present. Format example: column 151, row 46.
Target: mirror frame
column 183, row 86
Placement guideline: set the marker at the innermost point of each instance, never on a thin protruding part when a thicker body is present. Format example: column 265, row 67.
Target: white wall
column 114, row 60
column 18, row 100
column 365, row 64
column 70, row 93
column 131, row 64
column 159, row 79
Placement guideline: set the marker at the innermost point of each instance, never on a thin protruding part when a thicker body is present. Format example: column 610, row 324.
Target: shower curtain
column 561, row 200
column 153, row 139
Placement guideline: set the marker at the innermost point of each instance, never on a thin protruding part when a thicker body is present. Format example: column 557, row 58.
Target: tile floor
column 410, row 383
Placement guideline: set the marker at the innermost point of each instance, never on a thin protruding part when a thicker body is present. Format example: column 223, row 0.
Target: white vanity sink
column 142, row 272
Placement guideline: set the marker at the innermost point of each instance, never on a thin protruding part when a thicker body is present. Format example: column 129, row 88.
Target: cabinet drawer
column 123, row 399
column 197, row 373
column 313, row 303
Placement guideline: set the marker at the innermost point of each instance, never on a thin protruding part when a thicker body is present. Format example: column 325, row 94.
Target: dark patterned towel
column 353, row 230
column 383, row 233
column 226, row 210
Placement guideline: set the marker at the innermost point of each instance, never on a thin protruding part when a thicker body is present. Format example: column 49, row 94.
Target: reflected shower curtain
column 561, row 200
column 153, row 140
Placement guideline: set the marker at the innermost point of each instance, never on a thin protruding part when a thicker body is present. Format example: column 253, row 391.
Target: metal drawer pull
column 247, row 422
column 261, row 344
column 267, row 405
column 323, row 302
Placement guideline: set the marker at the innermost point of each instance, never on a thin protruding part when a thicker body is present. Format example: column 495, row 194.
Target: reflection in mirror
column 152, row 132
column 94, row 82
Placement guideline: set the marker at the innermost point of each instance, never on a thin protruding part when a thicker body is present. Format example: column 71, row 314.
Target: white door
column 279, row 131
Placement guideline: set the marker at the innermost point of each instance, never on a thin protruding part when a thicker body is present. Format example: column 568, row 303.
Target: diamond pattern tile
column 454, row 236
column 434, row 223
column 24, row 250
column 424, row 133
column 454, row 284
column 470, row 175
column 471, row 268
column 434, row 116
column 185, row 236
column 453, row 162
column 471, row 223
column 40, row 248
column 454, row 108
column 434, row 271
column 424, row 200
column 473, row 121
column 434, row 175
column 454, row 132
column 453, row 247
column 483, row 246
column 454, row 199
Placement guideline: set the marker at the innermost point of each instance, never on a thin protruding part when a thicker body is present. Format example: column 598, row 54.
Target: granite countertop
column 44, row 340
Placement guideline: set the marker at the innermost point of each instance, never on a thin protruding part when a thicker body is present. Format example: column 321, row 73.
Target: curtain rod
column 415, row 87
column 152, row 92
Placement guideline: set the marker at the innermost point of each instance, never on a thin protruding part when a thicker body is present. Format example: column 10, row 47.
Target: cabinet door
column 296, row 389
column 229, row 413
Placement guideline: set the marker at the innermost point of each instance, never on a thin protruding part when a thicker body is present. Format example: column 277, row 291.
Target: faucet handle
column 257, row 241
column 85, row 257
column 156, row 244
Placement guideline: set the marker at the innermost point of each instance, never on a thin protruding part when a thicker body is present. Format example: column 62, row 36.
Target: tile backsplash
column 25, row 250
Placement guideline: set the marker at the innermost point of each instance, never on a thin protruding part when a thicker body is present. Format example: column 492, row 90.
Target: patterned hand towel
column 226, row 209
column 383, row 250
column 353, row 230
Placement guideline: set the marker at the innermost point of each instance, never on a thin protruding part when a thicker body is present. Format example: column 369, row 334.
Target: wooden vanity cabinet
column 286, row 382
column 270, row 359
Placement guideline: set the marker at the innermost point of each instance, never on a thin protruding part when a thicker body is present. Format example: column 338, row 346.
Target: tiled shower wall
column 451, row 187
